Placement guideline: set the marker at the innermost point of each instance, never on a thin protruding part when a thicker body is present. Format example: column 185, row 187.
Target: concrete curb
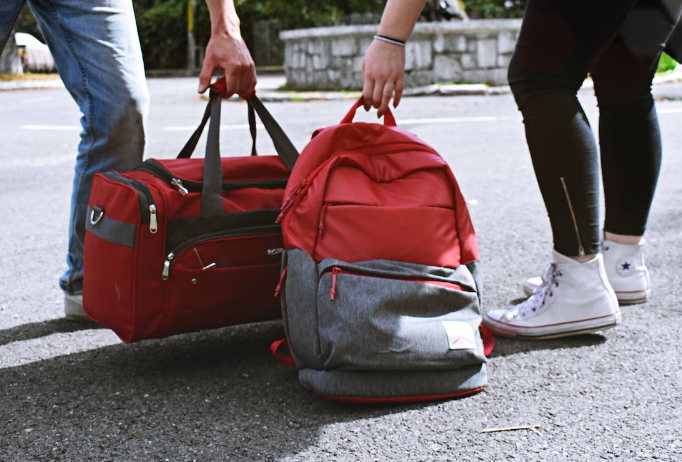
column 31, row 84
column 302, row 96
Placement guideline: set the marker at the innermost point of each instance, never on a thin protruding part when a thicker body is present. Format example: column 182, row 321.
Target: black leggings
column 619, row 43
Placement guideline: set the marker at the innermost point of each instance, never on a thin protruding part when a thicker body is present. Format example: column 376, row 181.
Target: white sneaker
column 625, row 270
column 574, row 298
column 73, row 307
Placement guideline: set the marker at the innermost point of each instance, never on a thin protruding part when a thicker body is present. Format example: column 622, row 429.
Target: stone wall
column 476, row 51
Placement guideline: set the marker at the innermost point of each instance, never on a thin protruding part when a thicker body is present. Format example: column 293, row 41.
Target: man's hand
column 383, row 71
column 226, row 50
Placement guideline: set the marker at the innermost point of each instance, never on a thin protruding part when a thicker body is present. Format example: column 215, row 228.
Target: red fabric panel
column 236, row 290
column 422, row 235
column 234, row 168
column 397, row 400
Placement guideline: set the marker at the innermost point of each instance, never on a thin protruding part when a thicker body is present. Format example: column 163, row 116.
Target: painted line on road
column 51, row 127
column 169, row 129
column 29, row 161
column 38, row 100
column 669, row 110
column 447, row 120
column 189, row 128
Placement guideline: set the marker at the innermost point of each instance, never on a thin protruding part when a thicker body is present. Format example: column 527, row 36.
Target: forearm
column 400, row 17
column 224, row 19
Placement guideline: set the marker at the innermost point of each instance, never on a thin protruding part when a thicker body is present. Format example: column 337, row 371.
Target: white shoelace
column 535, row 301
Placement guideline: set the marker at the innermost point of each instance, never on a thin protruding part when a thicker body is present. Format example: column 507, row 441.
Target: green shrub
column 666, row 64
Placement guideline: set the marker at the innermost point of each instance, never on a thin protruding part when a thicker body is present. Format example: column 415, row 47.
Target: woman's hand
column 383, row 71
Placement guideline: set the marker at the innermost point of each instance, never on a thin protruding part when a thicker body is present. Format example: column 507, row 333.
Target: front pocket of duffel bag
column 219, row 281
column 371, row 322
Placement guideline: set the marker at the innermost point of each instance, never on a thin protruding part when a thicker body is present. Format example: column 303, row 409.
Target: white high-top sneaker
column 574, row 298
column 625, row 270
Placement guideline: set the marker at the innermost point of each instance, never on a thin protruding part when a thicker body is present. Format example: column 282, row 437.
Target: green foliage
column 477, row 9
column 27, row 23
column 666, row 64
column 162, row 26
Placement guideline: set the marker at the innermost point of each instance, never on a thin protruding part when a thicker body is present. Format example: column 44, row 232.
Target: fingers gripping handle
column 389, row 120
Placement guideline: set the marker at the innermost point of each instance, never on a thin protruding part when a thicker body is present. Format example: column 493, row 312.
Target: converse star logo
column 625, row 266
column 460, row 335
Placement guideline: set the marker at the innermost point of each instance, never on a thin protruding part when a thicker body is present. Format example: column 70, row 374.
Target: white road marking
column 51, row 127
column 29, row 161
column 189, row 128
column 38, row 100
column 669, row 110
column 447, row 120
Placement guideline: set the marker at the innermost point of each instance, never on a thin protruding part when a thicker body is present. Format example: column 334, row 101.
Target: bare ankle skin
column 622, row 238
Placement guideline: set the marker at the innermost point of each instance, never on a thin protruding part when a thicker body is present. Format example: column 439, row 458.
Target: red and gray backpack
column 380, row 285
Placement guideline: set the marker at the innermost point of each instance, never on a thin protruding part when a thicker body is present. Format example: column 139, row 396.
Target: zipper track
column 581, row 249
column 159, row 171
column 252, row 231
column 143, row 193
column 292, row 200
column 354, row 272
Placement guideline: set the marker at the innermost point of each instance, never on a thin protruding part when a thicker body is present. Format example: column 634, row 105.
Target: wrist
column 227, row 27
column 391, row 40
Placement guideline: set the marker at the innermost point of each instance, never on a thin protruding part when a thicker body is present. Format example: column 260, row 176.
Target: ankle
column 583, row 258
column 623, row 238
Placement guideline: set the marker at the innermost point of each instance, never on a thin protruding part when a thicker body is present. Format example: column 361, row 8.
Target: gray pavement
column 73, row 392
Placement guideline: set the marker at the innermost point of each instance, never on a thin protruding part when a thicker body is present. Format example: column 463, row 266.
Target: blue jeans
column 96, row 48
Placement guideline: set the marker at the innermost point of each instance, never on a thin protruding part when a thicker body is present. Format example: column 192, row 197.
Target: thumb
column 205, row 78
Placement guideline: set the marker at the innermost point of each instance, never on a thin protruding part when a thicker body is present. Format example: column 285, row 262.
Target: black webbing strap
column 191, row 144
column 283, row 145
column 252, row 128
column 211, row 200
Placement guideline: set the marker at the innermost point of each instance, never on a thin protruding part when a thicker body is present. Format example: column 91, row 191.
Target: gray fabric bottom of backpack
column 381, row 330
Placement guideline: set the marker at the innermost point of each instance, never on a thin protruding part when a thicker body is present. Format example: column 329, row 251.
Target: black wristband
column 383, row 38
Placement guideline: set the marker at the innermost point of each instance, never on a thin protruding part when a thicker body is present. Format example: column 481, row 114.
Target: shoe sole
column 624, row 298
column 73, row 310
column 572, row 329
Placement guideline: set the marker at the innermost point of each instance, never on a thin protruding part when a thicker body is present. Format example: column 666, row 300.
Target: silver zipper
column 153, row 225
column 166, row 266
column 581, row 250
column 178, row 185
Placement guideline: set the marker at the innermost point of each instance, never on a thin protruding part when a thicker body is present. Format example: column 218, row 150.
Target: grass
column 27, row 76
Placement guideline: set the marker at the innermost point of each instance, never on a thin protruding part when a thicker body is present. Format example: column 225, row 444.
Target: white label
column 460, row 335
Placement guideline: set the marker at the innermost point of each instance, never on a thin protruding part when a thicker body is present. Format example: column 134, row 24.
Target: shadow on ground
column 216, row 395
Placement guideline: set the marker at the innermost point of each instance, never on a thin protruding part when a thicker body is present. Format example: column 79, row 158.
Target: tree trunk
column 10, row 63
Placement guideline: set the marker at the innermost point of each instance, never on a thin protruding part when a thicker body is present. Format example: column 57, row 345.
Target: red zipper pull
column 289, row 201
column 281, row 281
column 335, row 270
column 321, row 225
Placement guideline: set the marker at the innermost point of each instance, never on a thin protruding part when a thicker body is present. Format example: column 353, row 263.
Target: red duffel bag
column 186, row 244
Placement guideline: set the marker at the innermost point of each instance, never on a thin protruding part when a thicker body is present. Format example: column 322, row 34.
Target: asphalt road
column 72, row 392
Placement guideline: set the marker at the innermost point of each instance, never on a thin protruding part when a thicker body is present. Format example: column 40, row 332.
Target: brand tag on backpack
column 460, row 335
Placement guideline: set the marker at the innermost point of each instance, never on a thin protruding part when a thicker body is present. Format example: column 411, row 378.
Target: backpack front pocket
column 382, row 321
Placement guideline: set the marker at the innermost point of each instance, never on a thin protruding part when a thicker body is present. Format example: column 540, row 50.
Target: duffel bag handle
column 211, row 200
column 389, row 120
column 191, row 144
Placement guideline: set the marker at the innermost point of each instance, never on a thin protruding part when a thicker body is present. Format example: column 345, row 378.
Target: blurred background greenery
column 162, row 24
